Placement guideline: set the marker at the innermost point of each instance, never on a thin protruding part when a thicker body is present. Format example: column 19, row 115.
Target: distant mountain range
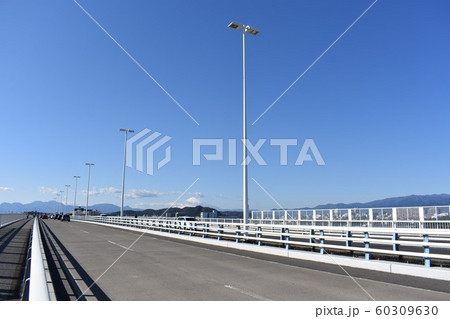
column 53, row 206
column 403, row 201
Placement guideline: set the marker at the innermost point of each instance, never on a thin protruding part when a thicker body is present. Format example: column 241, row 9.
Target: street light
column 75, row 197
column 67, row 193
column 124, row 162
column 61, row 202
column 87, row 195
column 56, row 199
column 245, row 29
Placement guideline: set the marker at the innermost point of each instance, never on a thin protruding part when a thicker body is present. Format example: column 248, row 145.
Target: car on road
column 65, row 217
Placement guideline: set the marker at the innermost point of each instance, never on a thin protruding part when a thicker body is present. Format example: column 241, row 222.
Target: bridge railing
column 408, row 217
column 37, row 281
column 382, row 239
column 359, row 223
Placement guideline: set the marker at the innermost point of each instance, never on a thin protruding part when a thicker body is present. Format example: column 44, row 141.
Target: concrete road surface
column 13, row 251
column 157, row 268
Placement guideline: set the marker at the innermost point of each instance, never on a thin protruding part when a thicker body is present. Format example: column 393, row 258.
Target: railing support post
column 422, row 217
column 322, row 242
column 220, row 231
column 311, row 239
column 259, row 235
column 367, row 246
column 285, row 237
column 205, row 230
column 349, row 242
column 395, row 246
column 426, row 250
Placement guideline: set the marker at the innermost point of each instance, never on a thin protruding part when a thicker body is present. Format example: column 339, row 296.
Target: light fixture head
column 126, row 130
column 247, row 28
column 251, row 30
column 235, row 25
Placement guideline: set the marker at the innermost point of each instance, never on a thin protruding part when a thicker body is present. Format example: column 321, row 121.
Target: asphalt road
column 157, row 268
column 13, row 251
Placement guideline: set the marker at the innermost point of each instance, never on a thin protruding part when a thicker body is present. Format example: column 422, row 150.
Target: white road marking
column 111, row 242
column 85, row 231
column 250, row 294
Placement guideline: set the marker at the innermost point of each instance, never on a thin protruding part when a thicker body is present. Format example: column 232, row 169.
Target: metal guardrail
column 369, row 240
column 378, row 214
column 410, row 224
column 37, row 282
column 6, row 219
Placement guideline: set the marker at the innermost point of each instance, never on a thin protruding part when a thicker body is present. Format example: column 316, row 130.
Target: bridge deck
column 13, row 250
column 157, row 268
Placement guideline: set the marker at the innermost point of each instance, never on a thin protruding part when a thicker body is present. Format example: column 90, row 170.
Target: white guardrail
column 39, row 280
column 371, row 238
column 409, row 217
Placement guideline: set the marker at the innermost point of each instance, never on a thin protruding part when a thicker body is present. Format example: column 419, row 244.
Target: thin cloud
column 144, row 193
column 6, row 189
column 47, row 190
column 102, row 191
column 198, row 194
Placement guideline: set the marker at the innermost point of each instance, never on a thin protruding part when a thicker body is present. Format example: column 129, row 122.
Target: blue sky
column 376, row 104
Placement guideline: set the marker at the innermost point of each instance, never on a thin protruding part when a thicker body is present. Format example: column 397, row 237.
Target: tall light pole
column 124, row 162
column 61, row 202
column 87, row 195
column 245, row 29
column 75, row 197
column 56, row 202
column 67, row 193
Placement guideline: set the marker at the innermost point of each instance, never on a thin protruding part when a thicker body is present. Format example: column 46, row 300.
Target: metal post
column 124, row 164
column 87, row 195
column 422, row 217
column 311, row 239
column 395, row 246
column 322, row 242
column 61, row 202
column 75, row 196
column 259, row 235
column 395, row 216
column 248, row 29
column 244, row 102
column 67, row 194
column 426, row 249
column 367, row 245
column 123, row 173
column 349, row 242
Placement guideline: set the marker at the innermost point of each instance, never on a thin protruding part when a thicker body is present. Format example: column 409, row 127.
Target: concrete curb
column 376, row 265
